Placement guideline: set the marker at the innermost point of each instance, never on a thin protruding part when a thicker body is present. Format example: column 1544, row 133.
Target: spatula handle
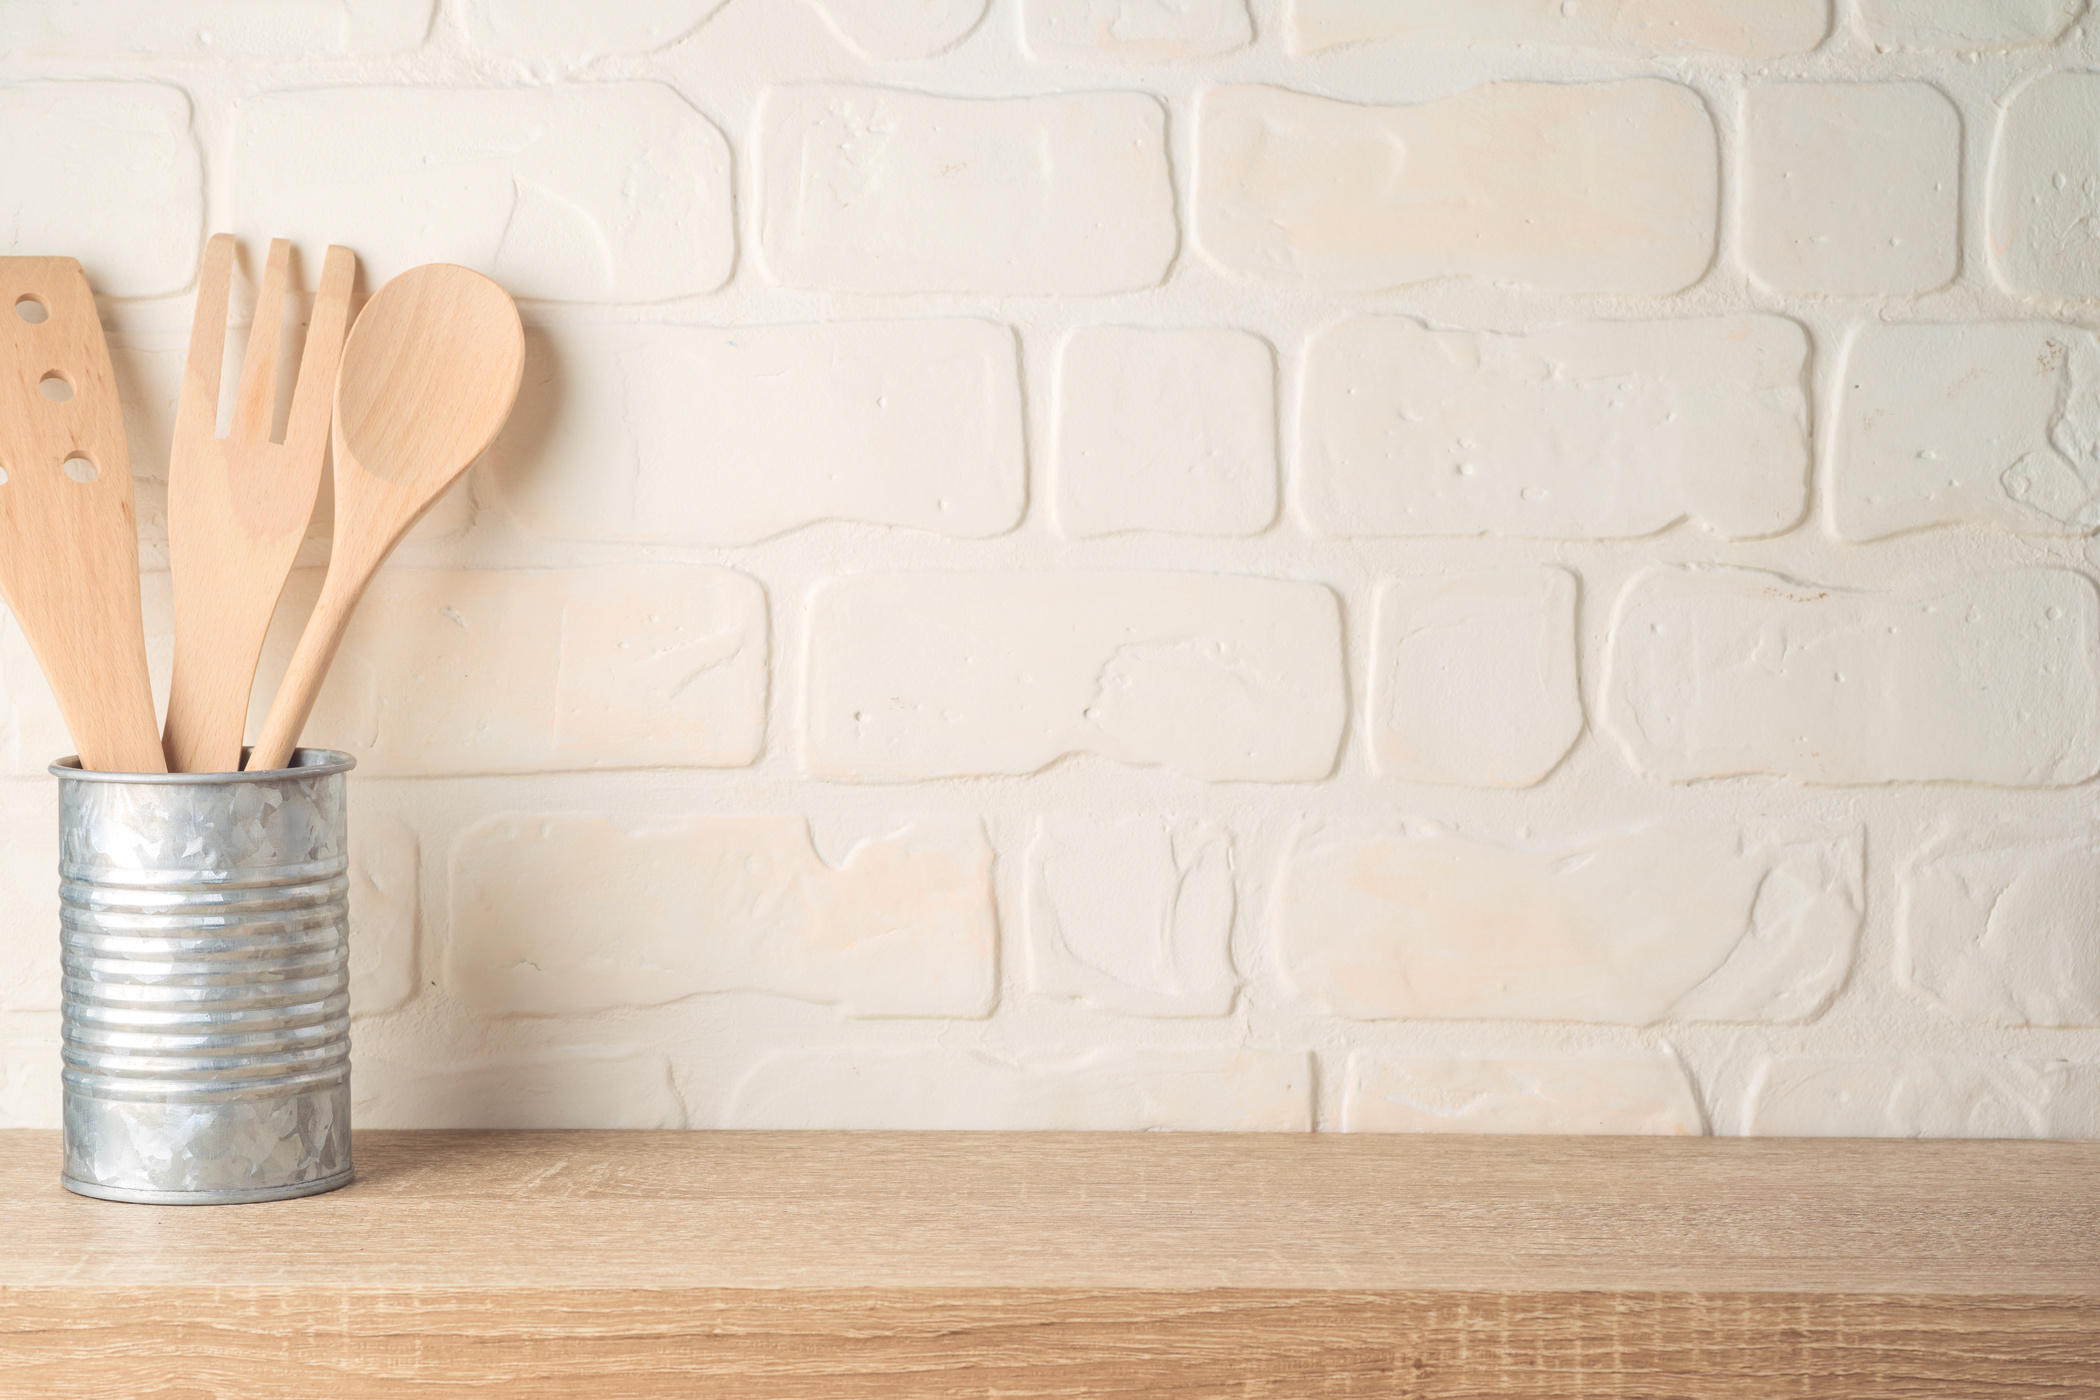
column 302, row 680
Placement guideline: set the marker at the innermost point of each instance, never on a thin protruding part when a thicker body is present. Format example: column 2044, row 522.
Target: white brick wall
column 1381, row 565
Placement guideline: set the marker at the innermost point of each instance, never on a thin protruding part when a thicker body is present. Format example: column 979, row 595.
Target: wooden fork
column 238, row 506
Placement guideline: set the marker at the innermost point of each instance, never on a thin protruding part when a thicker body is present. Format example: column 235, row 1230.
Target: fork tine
column 313, row 398
column 197, row 410
column 256, row 402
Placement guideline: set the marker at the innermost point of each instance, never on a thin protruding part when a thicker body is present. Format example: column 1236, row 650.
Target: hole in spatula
column 32, row 310
column 81, row 468
column 3, row 476
column 55, row 387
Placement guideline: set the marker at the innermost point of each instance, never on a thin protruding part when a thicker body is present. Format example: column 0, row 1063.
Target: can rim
column 306, row 763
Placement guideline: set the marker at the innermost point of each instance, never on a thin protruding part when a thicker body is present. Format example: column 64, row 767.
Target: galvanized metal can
column 204, row 922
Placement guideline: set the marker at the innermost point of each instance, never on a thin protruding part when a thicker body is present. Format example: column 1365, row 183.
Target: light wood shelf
column 762, row 1266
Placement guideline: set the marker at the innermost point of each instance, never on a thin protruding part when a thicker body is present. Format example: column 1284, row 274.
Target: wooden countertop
column 1288, row 1267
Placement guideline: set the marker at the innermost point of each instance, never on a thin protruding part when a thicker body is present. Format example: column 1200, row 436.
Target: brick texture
column 1249, row 565
column 1986, row 678
column 1132, row 916
column 1172, row 431
column 1738, row 28
column 902, row 927
column 592, row 192
column 1473, row 678
column 950, row 675
column 1983, row 423
column 1647, row 1094
column 1577, row 432
column 1966, row 26
column 680, row 435
column 1298, row 188
column 1686, row 921
column 1135, row 31
column 164, row 29
column 1851, row 188
column 139, row 133
column 875, row 190
column 2044, row 181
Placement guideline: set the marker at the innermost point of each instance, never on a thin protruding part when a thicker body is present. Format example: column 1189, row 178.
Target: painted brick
column 1135, row 31
column 1596, row 431
column 191, row 29
column 29, row 970
column 447, row 672
column 461, row 671
column 571, row 1086
column 616, row 192
column 560, row 31
column 148, row 175
column 952, row 674
column 29, row 1081
column 1605, row 187
column 1966, row 25
column 1702, row 923
column 1740, row 28
column 886, row 30
column 2002, row 925
column 1172, row 431
column 385, row 912
column 2045, row 188
column 690, row 436
column 1923, row 1096
column 628, row 666
column 1113, row 1090
column 561, row 914
column 1473, row 678
column 873, row 190
column 1132, row 916
column 1984, row 678
column 1851, row 188
column 1615, row 1094
column 1976, row 423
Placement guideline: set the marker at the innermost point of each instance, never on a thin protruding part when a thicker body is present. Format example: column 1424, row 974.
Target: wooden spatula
column 69, row 540
column 238, row 506
column 428, row 376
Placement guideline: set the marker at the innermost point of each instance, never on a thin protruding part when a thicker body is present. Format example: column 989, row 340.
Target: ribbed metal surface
column 206, row 1008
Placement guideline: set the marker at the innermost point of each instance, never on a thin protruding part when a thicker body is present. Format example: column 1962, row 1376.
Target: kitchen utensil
column 427, row 377
column 238, row 506
column 69, row 543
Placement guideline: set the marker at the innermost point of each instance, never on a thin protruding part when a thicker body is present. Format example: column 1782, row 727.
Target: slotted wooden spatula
column 69, row 540
column 238, row 505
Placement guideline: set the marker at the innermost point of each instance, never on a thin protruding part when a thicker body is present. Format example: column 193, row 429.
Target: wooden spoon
column 428, row 376
column 69, row 540
column 238, row 506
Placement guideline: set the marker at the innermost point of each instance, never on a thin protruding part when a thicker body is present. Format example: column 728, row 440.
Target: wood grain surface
column 761, row 1265
column 69, row 537
column 238, row 506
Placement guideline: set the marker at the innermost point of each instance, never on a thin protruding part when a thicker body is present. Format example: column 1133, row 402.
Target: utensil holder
column 204, row 919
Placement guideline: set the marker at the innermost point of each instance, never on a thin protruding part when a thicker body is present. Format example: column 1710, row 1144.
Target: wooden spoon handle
column 302, row 680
